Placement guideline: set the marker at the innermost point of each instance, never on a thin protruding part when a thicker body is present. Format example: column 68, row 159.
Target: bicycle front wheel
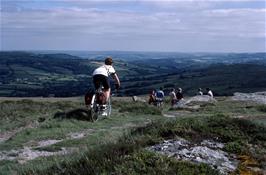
column 109, row 107
column 94, row 109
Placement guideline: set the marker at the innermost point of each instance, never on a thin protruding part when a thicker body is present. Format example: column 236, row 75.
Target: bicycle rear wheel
column 94, row 109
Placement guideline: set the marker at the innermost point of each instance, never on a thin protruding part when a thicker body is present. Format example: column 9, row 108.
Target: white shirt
column 105, row 70
column 210, row 93
column 172, row 95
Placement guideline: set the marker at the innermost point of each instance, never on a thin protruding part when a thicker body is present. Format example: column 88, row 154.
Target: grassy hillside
column 117, row 145
column 28, row 74
column 62, row 75
column 222, row 79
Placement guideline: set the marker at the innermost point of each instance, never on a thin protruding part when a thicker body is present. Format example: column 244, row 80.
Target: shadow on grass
column 79, row 114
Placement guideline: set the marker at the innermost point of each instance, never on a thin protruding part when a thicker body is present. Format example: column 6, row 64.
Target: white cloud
column 95, row 20
column 95, row 24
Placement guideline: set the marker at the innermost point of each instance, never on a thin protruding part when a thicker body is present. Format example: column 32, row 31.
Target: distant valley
column 65, row 74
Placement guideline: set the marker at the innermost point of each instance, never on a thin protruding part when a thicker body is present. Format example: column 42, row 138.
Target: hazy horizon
column 205, row 26
column 191, row 52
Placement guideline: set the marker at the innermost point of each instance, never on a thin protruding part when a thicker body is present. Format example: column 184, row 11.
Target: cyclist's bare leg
column 107, row 93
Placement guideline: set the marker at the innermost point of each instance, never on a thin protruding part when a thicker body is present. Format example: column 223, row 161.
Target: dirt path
column 4, row 136
column 31, row 149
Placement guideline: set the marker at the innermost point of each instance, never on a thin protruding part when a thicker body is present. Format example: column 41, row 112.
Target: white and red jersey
column 105, row 70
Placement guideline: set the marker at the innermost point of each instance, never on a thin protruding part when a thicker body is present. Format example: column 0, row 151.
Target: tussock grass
column 219, row 126
column 261, row 108
column 14, row 114
column 231, row 108
column 144, row 162
column 237, row 134
column 138, row 108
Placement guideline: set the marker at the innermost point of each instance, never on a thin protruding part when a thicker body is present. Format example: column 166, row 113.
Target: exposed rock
column 44, row 143
column 138, row 99
column 207, row 151
column 201, row 98
column 194, row 103
column 257, row 97
column 212, row 144
column 180, row 104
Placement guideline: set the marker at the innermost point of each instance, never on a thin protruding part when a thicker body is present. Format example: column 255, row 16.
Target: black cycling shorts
column 101, row 80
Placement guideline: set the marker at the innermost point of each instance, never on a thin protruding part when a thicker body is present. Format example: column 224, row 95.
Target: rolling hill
column 53, row 74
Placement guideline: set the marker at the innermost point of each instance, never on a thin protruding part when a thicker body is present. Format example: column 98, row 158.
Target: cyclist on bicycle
column 100, row 77
column 159, row 96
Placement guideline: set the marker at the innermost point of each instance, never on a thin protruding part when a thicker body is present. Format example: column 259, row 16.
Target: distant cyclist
column 200, row 92
column 152, row 97
column 209, row 92
column 100, row 77
column 173, row 98
column 179, row 94
column 159, row 96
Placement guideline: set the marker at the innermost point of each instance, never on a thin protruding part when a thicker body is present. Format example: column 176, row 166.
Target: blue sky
column 180, row 26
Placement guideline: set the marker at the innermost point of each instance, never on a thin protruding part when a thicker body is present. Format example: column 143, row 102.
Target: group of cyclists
column 101, row 76
column 157, row 96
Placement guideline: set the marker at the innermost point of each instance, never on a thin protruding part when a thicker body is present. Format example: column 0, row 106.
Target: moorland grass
column 138, row 108
column 128, row 156
column 114, row 149
column 261, row 108
column 15, row 114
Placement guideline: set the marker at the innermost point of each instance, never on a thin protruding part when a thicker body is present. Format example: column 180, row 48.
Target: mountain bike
column 97, row 108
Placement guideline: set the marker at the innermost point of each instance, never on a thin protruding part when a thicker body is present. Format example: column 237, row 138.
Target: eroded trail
column 33, row 149
column 32, row 152
column 4, row 136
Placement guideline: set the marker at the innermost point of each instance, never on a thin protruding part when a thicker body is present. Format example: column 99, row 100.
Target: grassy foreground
column 117, row 145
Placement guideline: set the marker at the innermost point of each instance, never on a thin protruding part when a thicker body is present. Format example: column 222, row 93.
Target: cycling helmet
column 108, row 61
